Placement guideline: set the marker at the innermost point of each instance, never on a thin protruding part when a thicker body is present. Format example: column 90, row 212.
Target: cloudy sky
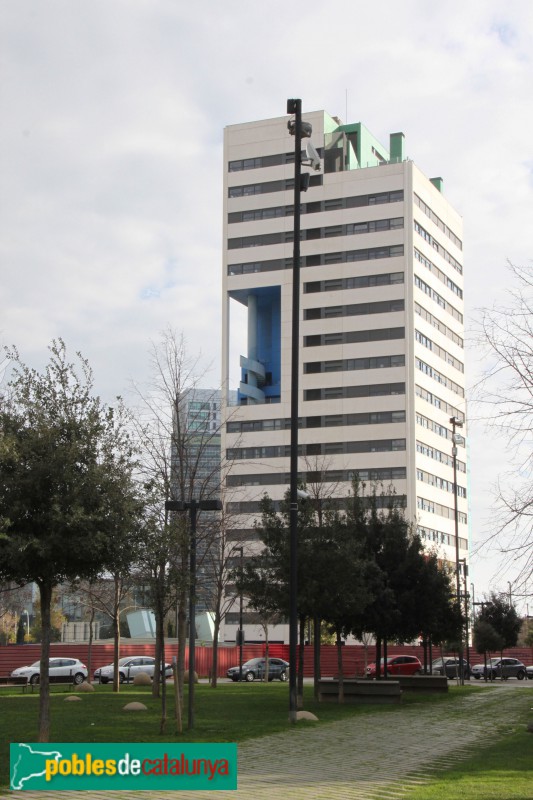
column 111, row 158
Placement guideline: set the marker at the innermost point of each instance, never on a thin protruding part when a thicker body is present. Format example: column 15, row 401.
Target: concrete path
column 370, row 757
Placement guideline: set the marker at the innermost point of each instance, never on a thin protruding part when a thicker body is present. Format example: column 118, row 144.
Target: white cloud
column 113, row 113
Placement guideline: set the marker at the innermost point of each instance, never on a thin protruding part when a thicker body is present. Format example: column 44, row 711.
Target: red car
column 397, row 665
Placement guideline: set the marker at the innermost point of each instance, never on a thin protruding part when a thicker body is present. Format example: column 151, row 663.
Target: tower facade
column 381, row 326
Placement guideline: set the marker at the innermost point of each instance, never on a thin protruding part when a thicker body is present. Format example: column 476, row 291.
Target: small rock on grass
column 135, row 707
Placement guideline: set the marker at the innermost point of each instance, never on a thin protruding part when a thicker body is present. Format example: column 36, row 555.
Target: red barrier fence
column 353, row 656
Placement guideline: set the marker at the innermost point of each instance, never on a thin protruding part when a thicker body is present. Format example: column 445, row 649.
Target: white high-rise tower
column 381, row 327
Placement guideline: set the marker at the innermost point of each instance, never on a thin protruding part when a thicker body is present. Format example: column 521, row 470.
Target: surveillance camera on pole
column 312, row 158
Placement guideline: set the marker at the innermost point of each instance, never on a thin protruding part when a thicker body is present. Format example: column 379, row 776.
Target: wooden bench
column 56, row 680
column 7, row 680
column 359, row 691
column 423, row 683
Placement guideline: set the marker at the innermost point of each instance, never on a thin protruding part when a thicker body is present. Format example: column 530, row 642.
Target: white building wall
column 430, row 506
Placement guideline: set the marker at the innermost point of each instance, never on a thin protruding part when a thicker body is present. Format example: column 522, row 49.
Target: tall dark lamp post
column 192, row 506
column 299, row 130
column 456, row 423
column 467, row 614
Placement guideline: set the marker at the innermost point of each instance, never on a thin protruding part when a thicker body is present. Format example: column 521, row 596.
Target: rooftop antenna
column 346, row 105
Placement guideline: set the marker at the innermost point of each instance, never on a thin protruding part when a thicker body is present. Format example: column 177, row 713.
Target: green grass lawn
column 503, row 771
column 236, row 712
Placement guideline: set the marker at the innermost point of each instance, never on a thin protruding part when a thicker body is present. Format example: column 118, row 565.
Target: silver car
column 129, row 667
column 449, row 665
column 500, row 668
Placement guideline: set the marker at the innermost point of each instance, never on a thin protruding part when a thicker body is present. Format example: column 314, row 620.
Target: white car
column 129, row 667
column 57, row 668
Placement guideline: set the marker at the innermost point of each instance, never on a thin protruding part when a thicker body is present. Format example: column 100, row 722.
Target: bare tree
column 105, row 595
column 505, row 397
column 181, row 460
column 224, row 559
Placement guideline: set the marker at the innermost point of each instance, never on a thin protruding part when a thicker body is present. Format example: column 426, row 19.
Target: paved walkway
column 370, row 757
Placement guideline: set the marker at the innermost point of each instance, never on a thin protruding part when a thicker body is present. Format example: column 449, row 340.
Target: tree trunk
column 45, row 590
column 316, row 656
column 182, row 638
column 160, row 666
column 385, row 668
column 159, row 626
column 267, row 651
column 340, row 667
column 90, row 647
column 300, row 679
column 156, row 680
column 214, row 664
column 378, row 657
column 116, row 635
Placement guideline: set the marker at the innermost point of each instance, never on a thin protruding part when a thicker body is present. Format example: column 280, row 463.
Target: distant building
column 196, row 458
column 79, row 631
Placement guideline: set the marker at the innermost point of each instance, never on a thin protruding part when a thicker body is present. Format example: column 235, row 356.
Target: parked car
column 529, row 673
column 449, row 665
column 57, row 667
column 500, row 668
column 397, row 665
column 256, row 667
column 128, row 668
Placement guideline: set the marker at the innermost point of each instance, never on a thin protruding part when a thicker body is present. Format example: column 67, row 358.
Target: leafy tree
column 275, row 534
column 441, row 619
column 334, row 579
column 412, row 594
column 259, row 583
column 486, row 640
column 486, row 637
column 66, row 489
column 344, row 580
column 265, row 581
column 384, row 537
column 503, row 618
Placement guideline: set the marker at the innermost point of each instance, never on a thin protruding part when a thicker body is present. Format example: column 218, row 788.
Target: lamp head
column 306, row 129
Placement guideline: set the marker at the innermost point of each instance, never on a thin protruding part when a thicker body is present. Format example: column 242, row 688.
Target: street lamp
column 193, row 506
column 299, row 130
column 456, row 423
